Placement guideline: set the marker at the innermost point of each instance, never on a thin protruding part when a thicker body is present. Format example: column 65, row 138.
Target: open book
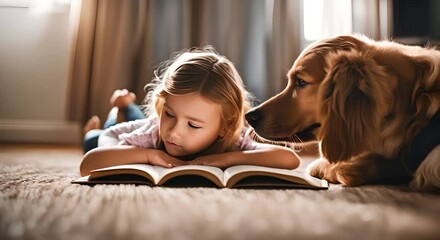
column 242, row 176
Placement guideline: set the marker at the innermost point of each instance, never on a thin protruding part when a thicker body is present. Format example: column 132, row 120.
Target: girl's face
column 189, row 124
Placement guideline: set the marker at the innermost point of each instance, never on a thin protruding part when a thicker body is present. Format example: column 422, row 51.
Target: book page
column 237, row 173
column 214, row 174
column 145, row 170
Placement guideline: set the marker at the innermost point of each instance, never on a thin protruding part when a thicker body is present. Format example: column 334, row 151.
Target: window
column 323, row 18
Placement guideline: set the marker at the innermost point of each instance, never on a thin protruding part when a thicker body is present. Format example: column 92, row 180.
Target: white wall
column 34, row 58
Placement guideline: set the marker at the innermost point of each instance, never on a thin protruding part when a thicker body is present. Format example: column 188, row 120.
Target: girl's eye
column 193, row 126
column 168, row 114
column 300, row 83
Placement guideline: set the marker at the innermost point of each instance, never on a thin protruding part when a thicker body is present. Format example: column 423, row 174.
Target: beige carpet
column 37, row 201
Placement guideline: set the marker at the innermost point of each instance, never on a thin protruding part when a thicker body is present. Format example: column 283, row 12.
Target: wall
column 34, row 57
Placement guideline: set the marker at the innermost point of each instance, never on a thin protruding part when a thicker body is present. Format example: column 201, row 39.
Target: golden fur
column 363, row 100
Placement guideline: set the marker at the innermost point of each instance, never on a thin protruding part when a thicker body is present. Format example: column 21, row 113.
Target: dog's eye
column 300, row 82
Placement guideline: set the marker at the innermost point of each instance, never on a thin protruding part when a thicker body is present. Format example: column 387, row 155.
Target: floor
column 37, row 201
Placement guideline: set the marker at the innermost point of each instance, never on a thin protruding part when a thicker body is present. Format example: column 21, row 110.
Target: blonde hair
column 212, row 76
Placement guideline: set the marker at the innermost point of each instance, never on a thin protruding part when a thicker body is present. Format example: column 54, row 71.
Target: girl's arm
column 265, row 155
column 116, row 155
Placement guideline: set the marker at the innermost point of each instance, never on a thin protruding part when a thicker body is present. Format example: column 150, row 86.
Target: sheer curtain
column 373, row 18
column 119, row 43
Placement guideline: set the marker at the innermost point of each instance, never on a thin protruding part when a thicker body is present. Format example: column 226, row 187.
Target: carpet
column 37, row 201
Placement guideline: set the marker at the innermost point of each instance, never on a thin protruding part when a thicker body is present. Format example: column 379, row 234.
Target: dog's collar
column 422, row 144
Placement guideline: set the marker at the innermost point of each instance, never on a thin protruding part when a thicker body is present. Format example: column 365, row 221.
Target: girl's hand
column 163, row 159
column 116, row 155
column 212, row 160
column 266, row 155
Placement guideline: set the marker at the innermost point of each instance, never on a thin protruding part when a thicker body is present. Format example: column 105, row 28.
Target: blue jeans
column 131, row 113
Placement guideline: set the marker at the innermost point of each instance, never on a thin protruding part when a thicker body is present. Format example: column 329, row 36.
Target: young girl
column 196, row 107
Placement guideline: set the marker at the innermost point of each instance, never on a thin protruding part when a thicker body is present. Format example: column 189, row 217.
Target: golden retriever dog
column 373, row 107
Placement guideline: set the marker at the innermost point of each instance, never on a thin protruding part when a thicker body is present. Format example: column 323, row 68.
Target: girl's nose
column 174, row 132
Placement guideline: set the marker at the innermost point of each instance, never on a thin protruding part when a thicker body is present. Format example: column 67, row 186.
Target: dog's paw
column 321, row 168
column 352, row 175
column 341, row 172
column 316, row 168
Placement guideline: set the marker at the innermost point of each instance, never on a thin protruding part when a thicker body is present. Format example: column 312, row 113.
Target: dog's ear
column 355, row 96
column 425, row 95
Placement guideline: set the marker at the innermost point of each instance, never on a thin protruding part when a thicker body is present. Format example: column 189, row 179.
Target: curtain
column 112, row 50
column 373, row 18
column 119, row 43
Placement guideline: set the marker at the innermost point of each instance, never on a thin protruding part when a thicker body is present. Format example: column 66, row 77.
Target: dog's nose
column 253, row 117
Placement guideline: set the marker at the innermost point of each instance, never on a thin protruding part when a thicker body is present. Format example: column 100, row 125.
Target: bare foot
column 93, row 123
column 122, row 98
